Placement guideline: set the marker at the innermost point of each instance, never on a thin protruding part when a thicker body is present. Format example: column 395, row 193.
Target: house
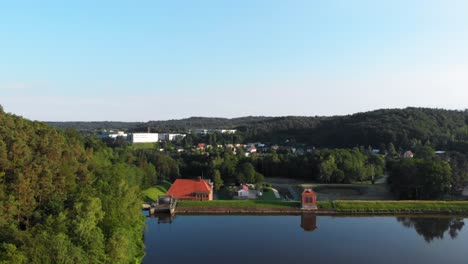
column 310, row 150
column 192, row 189
column 243, row 192
column 246, row 191
column 201, row 146
column 252, row 149
column 309, row 200
column 408, row 154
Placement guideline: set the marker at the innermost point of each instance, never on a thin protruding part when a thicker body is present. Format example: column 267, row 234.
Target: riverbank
column 324, row 207
column 445, row 207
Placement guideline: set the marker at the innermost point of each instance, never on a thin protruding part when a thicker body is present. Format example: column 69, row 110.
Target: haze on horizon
column 159, row 60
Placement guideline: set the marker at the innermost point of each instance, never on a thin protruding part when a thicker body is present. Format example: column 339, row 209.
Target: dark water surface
column 300, row 239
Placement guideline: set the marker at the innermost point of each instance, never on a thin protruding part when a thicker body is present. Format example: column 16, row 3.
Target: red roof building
column 309, row 200
column 201, row 146
column 408, row 154
column 191, row 189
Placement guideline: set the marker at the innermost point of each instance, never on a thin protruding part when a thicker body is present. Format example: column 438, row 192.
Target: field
column 143, row 145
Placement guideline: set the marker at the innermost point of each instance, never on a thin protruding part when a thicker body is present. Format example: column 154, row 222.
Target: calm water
column 283, row 239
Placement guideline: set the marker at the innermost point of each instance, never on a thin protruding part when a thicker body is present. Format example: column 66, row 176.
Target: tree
column 328, row 170
column 246, row 173
column 424, row 152
column 217, row 180
column 419, row 179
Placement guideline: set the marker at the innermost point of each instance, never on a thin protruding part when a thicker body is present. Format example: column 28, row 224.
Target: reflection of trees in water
column 434, row 228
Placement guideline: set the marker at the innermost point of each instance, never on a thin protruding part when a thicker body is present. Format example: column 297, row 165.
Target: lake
column 315, row 239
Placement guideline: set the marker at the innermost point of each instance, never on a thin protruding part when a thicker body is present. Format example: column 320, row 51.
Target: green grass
column 326, row 205
column 143, row 145
column 401, row 206
column 339, row 206
column 268, row 195
column 151, row 194
column 250, row 204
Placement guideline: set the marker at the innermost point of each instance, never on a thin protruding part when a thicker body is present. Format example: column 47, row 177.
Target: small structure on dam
column 309, row 200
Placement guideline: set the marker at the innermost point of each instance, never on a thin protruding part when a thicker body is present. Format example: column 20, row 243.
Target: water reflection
column 308, row 222
column 433, row 228
column 164, row 218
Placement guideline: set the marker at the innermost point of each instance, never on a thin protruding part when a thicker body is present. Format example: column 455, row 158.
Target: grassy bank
column 250, row 204
column 151, row 194
column 247, row 204
column 338, row 206
column 400, row 206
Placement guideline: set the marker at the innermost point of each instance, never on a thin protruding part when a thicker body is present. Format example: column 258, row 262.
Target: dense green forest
column 442, row 129
column 65, row 198
column 90, row 127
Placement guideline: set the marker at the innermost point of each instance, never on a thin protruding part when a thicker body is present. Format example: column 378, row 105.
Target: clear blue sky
column 154, row 60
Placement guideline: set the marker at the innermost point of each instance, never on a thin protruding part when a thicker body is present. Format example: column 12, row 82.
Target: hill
column 65, row 198
column 402, row 127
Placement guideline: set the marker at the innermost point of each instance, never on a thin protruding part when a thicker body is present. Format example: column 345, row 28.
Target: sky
column 157, row 60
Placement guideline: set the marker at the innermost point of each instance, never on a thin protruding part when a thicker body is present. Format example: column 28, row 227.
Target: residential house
column 252, row 149
column 201, row 146
column 243, row 192
column 408, row 154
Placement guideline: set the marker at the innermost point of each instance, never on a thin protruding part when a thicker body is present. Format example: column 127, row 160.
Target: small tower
column 309, row 200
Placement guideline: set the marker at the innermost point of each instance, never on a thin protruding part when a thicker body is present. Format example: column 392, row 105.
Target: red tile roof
column 184, row 188
column 309, row 192
column 245, row 187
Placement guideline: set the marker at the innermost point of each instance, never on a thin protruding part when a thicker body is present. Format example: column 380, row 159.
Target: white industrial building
column 112, row 134
column 170, row 137
column 144, row 137
column 211, row 131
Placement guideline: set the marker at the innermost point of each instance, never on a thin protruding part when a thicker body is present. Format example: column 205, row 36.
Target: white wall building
column 170, row 137
column 112, row 134
column 144, row 137
column 118, row 134
column 211, row 131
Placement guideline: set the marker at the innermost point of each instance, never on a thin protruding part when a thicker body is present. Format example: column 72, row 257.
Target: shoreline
column 237, row 211
column 338, row 207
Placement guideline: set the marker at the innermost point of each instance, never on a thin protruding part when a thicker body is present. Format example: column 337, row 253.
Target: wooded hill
column 65, row 198
column 442, row 129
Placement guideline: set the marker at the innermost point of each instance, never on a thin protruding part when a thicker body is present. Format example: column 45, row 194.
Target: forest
column 65, row 198
column 441, row 129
